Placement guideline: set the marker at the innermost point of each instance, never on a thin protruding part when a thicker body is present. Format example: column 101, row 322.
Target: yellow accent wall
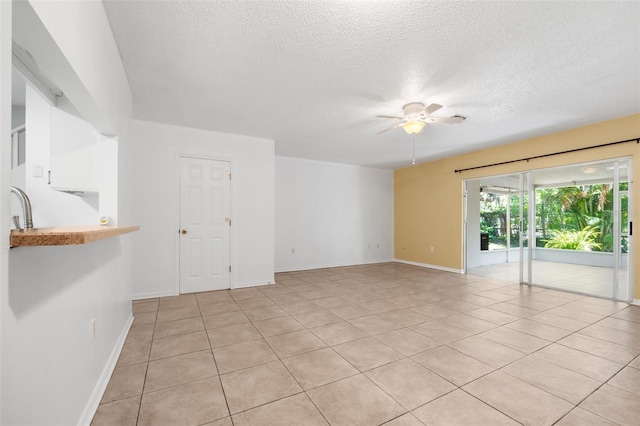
column 428, row 198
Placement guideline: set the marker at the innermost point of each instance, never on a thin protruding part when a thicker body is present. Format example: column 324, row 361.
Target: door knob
column 184, row 231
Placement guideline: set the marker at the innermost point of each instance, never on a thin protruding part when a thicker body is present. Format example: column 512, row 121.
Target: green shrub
column 584, row 239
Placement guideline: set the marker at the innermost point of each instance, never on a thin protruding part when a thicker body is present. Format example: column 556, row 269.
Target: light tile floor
column 585, row 279
column 378, row 344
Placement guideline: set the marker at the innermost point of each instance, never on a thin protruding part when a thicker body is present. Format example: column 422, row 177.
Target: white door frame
column 630, row 248
column 521, row 222
column 176, row 202
column 464, row 226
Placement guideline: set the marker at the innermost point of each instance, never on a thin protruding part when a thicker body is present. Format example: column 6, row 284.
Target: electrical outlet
column 93, row 329
column 432, row 249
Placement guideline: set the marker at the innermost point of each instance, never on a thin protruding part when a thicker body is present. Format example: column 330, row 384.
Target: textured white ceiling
column 313, row 74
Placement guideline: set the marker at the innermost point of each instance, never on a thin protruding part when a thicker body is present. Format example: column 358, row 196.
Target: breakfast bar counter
column 66, row 235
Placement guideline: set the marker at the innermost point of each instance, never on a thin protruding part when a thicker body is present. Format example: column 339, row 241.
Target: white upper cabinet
column 74, row 150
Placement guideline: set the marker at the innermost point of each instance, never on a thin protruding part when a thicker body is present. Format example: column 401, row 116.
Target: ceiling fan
column 415, row 116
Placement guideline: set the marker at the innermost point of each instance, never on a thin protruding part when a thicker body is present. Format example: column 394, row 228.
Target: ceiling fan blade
column 388, row 128
column 389, row 116
column 448, row 120
column 432, row 108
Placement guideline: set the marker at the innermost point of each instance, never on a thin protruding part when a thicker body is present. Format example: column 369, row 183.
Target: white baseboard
column 426, row 265
column 254, row 284
column 172, row 293
column 332, row 265
column 636, row 302
column 92, row 406
column 153, row 295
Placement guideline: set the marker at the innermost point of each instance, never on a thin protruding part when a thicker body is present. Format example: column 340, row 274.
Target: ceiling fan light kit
column 413, row 127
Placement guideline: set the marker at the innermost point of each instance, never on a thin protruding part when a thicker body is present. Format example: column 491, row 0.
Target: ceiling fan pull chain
column 413, row 163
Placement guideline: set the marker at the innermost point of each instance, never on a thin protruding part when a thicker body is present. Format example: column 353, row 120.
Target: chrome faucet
column 26, row 209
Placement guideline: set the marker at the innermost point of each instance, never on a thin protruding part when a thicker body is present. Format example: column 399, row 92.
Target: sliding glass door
column 495, row 226
column 581, row 217
column 566, row 228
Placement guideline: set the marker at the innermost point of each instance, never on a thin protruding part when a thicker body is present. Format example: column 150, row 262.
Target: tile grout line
column 144, row 383
column 495, row 408
column 213, row 356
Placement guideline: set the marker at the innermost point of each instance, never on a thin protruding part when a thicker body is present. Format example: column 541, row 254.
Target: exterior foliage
column 584, row 213
column 576, row 217
column 584, row 239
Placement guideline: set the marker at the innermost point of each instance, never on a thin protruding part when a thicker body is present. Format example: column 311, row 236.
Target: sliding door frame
column 527, row 187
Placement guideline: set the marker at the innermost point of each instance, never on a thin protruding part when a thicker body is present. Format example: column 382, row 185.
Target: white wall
column 5, row 168
column 155, row 155
column 331, row 214
column 97, row 84
column 52, row 373
column 52, row 368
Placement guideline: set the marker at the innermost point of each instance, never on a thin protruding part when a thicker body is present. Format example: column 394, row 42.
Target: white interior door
column 204, row 225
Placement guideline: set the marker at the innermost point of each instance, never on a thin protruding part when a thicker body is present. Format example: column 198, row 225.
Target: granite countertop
column 66, row 235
